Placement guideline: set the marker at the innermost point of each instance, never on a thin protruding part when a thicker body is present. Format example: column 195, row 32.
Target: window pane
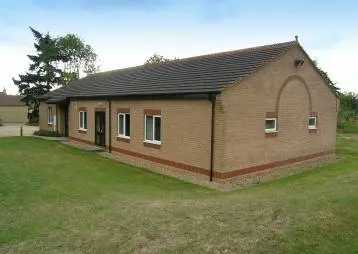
column 270, row 124
column 85, row 120
column 81, row 119
column 157, row 128
column 120, row 124
column 128, row 125
column 312, row 122
column 149, row 128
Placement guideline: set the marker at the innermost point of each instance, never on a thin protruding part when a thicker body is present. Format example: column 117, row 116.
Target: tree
column 78, row 57
column 157, row 59
column 43, row 73
column 332, row 85
column 57, row 61
column 348, row 108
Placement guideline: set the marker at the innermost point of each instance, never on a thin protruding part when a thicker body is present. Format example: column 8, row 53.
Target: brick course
column 294, row 93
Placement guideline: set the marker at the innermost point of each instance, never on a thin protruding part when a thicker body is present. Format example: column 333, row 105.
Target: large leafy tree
column 348, row 108
column 79, row 57
column 57, row 61
column 43, row 72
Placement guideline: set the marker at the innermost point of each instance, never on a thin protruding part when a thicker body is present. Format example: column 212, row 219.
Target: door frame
column 104, row 127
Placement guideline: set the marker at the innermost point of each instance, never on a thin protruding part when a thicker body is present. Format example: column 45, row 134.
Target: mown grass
column 349, row 128
column 56, row 199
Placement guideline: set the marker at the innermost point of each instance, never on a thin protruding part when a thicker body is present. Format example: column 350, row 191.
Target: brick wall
column 90, row 106
column 246, row 104
column 13, row 114
column 185, row 131
column 43, row 114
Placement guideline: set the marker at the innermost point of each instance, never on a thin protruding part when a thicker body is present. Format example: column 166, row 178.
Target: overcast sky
column 126, row 32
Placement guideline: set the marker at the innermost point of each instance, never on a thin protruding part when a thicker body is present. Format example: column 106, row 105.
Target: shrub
column 33, row 121
column 47, row 133
column 1, row 124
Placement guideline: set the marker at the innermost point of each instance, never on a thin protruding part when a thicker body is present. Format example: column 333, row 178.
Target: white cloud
column 14, row 62
column 340, row 62
column 124, row 44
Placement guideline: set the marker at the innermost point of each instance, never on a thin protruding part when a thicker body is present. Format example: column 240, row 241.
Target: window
column 312, row 122
column 124, row 125
column 83, row 120
column 153, row 129
column 270, row 124
column 49, row 116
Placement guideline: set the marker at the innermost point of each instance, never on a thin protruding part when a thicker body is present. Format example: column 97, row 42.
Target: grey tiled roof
column 11, row 100
column 201, row 74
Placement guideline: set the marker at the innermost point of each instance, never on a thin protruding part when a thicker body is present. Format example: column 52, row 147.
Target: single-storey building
column 12, row 109
column 219, row 116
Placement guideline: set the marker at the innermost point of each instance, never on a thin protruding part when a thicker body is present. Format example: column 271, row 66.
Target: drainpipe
column 57, row 114
column 212, row 98
column 109, row 126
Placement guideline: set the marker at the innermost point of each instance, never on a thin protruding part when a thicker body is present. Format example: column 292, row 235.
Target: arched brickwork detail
column 286, row 82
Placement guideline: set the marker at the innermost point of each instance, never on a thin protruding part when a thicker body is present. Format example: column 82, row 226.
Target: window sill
column 312, row 130
column 270, row 134
column 84, row 131
column 156, row 145
column 124, row 139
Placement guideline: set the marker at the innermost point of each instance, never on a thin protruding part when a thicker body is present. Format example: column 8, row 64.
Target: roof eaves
column 192, row 95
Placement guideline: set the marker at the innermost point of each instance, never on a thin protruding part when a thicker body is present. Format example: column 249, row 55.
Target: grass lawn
column 349, row 128
column 56, row 199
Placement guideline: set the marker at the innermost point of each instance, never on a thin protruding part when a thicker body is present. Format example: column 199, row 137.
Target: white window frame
column 157, row 142
column 79, row 123
column 124, row 126
column 49, row 117
column 272, row 129
column 312, row 127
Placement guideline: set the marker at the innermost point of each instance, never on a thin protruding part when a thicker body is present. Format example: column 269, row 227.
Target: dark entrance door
column 100, row 135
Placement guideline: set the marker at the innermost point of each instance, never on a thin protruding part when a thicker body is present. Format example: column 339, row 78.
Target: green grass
column 349, row 128
column 56, row 199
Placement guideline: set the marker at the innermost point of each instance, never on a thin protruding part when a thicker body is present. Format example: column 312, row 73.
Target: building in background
column 12, row 109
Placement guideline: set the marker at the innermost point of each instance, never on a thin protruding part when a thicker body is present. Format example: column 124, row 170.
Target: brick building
column 12, row 109
column 220, row 115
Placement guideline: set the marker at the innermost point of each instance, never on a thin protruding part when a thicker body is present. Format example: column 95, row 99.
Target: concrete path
column 53, row 138
column 84, row 147
column 9, row 130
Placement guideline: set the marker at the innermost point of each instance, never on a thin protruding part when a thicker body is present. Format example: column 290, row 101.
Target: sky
column 125, row 33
